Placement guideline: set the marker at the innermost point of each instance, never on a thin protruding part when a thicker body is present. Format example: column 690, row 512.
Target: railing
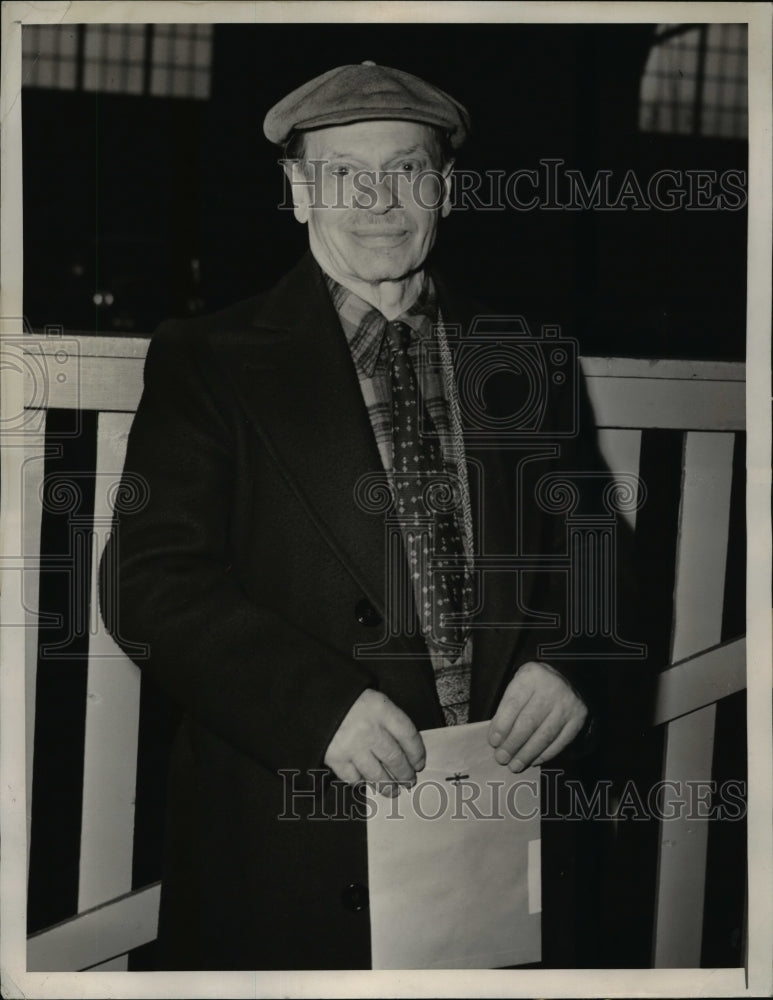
column 704, row 402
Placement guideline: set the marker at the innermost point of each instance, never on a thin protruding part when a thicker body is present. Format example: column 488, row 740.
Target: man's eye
column 339, row 170
column 409, row 166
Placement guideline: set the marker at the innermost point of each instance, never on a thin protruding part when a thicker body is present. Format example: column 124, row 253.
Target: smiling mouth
column 380, row 235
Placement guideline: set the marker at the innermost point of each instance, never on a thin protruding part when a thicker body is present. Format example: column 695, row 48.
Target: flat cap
column 365, row 92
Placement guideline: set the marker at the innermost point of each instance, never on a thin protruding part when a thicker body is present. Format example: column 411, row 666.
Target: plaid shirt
column 364, row 327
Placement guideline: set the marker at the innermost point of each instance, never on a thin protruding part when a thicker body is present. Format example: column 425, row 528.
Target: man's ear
column 300, row 187
column 446, row 173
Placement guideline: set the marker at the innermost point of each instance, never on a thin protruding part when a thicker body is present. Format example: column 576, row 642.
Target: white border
column 758, row 483
column 578, row 983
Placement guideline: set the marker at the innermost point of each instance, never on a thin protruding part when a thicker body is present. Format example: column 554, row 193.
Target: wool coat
column 250, row 573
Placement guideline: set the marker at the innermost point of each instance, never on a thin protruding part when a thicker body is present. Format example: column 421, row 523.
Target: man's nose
column 377, row 193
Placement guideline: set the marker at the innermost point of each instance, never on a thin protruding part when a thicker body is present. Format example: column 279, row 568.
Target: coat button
column 355, row 897
column 366, row 614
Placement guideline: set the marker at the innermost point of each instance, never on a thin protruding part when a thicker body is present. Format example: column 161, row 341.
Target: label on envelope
column 454, row 863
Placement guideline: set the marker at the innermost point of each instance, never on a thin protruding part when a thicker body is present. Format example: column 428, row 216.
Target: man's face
column 372, row 199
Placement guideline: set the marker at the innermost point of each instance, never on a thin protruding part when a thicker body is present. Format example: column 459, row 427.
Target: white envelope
column 453, row 864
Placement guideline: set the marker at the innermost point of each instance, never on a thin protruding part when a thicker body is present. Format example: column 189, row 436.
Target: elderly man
column 258, row 576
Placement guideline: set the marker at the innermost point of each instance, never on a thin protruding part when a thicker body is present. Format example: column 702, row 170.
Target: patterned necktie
column 426, row 500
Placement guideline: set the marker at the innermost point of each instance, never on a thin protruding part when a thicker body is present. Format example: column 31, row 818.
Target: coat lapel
column 299, row 386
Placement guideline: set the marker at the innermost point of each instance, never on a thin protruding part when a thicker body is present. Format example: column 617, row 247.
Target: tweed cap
column 365, row 92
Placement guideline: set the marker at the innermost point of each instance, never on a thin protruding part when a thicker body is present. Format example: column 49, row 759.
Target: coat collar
column 298, row 302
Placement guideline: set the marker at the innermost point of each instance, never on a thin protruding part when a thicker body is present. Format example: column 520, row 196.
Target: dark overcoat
column 251, row 572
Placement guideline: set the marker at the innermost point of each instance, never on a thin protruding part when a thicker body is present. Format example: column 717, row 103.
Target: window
column 162, row 60
column 695, row 81
column 114, row 58
column 181, row 59
column 50, row 56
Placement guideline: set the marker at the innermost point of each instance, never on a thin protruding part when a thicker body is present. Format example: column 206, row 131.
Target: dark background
column 122, row 193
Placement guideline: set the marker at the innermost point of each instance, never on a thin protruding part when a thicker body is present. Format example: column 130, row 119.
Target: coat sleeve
column 242, row 671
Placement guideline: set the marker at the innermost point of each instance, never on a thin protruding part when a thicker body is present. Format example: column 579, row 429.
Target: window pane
column 136, row 46
column 158, row 79
column 47, row 43
column 161, row 52
column 91, row 76
column 29, row 39
column 67, row 75
column 134, row 80
column 68, row 42
column 115, row 44
column 46, row 71
column 93, row 42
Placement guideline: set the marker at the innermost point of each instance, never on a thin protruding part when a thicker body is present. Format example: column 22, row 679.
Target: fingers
column 376, row 742
column 346, row 771
column 388, row 752
column 514, row 700
column 374, row 772
column 371, row 772
column 552, row 730
column 407, row 736
column 539, row 715
column 537, row 726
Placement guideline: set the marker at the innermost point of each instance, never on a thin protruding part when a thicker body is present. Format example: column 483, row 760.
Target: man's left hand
column 539, row 715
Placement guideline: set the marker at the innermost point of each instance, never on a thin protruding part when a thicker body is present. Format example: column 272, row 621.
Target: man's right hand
column 376, row 742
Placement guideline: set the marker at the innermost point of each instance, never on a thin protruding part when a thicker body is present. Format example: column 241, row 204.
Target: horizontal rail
column 700, row 680
column 615, row 367
column 97, row 934
column 105, row 373
column 90, row 346
column 666, row 402
column 664, row 368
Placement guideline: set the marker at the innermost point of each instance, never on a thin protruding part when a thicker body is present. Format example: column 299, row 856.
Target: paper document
column 454, row 863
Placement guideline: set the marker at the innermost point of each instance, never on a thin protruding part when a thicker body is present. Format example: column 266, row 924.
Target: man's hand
column 539, row 715
column 376, row 742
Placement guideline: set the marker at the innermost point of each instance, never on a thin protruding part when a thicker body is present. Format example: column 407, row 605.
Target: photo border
column 757, row 977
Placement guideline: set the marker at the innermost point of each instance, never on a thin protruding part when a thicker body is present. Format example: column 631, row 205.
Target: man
column 257, row 574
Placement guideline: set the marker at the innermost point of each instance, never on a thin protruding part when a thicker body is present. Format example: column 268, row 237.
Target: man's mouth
column 380, row 236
